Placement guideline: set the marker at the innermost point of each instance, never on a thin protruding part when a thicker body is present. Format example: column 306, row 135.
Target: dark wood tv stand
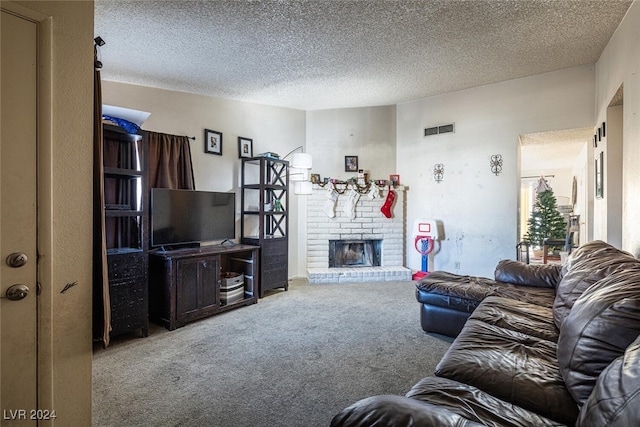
column 184, row 284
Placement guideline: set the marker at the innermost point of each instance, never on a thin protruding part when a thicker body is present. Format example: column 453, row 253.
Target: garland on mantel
column 353, row 183
column 371, row 189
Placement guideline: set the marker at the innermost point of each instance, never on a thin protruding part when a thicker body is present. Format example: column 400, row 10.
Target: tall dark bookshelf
column 126, row 229
column 265, row 217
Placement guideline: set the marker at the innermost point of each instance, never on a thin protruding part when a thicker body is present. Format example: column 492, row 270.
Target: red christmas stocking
column 388, row 203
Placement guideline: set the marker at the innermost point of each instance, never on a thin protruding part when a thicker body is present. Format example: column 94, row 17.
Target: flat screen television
column 181, row 217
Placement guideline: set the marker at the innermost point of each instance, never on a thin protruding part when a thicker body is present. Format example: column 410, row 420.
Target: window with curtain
column 170, row 161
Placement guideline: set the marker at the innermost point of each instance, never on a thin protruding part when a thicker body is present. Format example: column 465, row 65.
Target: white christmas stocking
column 349, row 207
column 330, row 205
column 374, row 192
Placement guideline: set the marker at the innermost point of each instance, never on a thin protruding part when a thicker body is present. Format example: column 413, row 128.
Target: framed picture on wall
column 245, row 147
column 213, row 142
column 600, row 175
column 351, row 163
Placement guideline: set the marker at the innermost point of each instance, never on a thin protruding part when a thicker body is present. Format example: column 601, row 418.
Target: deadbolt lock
column 17, row 259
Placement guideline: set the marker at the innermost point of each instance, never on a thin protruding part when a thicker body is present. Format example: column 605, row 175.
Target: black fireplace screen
column 354, row 253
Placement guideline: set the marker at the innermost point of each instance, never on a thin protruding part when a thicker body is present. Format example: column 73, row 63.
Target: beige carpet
column 294, row 359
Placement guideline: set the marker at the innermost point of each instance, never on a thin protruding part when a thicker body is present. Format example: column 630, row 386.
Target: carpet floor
column 294, row 359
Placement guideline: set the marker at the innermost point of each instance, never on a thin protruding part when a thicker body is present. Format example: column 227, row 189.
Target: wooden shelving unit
column 125, row 178
column 265, row 217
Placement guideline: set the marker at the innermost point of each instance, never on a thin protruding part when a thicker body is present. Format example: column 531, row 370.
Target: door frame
column 65, row 134
column 583, row 176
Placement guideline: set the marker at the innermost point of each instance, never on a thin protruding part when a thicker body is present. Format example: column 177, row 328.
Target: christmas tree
column 545, row 221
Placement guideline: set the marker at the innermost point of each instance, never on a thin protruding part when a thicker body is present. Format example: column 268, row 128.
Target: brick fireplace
column 384, row 237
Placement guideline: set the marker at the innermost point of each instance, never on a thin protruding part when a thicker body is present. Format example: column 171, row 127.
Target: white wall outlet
column 457, row 265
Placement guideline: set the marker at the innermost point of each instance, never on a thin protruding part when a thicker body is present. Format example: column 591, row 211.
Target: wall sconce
column 438, row 172
column 496, row 164
column 299, row 168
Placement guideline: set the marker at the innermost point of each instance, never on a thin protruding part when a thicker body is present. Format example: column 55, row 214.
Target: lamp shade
column 301, row 161
column 303, row 187
column 296, row 174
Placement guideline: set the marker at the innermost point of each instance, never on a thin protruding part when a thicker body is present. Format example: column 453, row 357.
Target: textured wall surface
column 479, row 210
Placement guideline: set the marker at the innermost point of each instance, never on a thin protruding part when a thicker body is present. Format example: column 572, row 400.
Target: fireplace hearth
column 354, row 253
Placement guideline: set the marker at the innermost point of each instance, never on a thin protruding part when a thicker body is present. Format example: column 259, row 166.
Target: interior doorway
column 608, row 204
column 562, row 158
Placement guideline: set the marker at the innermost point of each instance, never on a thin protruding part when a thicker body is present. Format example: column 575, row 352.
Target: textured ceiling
column 552, row 150
column 333, row 54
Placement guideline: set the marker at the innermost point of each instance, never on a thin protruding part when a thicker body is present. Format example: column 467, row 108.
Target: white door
column 18, row 299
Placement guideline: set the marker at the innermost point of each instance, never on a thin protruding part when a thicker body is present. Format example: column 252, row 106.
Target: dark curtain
column 101, row 301
column 170, row 162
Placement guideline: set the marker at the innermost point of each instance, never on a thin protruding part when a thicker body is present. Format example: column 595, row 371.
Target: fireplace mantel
column 369, row 223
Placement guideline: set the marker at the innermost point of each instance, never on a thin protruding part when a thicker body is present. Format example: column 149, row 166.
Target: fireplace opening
column 354, row 253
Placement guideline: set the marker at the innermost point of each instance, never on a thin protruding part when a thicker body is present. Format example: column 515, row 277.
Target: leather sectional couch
column 541, row 345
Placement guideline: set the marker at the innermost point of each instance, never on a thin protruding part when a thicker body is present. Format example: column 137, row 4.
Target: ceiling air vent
column 436, row 130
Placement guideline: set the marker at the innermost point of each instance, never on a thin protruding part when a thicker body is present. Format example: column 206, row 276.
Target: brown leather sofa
column 540, row 346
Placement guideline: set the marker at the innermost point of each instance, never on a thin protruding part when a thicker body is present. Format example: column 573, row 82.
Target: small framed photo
column 213, row 142
column 315, row 178
column 245, row 147
column 351, row 163
column 395, row 179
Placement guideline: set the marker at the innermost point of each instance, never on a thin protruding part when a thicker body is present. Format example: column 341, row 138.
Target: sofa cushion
column 587, row 265
column 397, row 411
column 465, row 293
column 445, row 289
column 519, row 273
column 512, row 366
column 530, row 319
column 615, row 400
column 604, row 320
column 474, row 404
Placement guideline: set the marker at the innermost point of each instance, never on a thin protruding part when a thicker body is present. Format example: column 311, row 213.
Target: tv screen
column 188, row 216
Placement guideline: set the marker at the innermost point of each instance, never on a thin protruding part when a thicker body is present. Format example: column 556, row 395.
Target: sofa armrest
column 397, row 411
column 536, row 275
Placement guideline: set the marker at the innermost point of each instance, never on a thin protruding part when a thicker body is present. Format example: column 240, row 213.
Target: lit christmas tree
column 545, row 221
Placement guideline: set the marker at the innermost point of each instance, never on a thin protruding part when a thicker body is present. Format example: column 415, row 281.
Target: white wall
column 271, row 128
column 619, row 65
column 369, row 133
column 478, row 210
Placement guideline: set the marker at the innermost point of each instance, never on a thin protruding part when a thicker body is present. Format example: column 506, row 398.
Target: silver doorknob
column 17, row 259
column 17, row 292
